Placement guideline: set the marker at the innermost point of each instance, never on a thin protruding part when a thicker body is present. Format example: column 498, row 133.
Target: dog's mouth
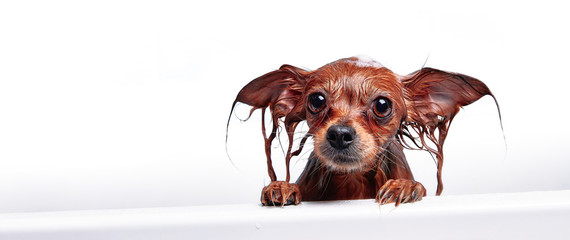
column 345, row 157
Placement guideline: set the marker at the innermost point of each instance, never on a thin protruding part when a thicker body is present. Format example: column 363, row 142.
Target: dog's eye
column 382, row 107
column 316, row 102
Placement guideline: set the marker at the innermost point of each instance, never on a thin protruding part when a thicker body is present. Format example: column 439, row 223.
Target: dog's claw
column 400, row 191
column 280, row 193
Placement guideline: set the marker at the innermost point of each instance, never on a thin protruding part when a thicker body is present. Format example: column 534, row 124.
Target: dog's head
column 355, row 106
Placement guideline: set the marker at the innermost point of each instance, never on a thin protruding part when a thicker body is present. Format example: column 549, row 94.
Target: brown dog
column 358, row 113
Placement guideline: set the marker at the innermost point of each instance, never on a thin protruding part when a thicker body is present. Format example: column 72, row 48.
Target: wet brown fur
column 423, row 106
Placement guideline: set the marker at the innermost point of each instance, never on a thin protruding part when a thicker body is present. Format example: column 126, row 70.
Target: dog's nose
column 340, row 137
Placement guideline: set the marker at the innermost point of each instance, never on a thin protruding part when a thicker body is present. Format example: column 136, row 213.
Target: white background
column 114, row 104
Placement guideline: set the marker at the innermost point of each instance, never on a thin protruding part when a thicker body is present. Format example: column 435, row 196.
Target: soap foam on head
column 366, row 61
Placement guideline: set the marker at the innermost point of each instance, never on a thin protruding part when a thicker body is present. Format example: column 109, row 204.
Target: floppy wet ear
column 433, row 98
column 436, row 94
column 279, row 90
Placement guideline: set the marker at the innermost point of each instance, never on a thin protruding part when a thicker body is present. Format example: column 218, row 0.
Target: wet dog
column 361, row 116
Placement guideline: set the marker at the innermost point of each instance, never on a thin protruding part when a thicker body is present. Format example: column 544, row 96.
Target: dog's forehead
column 355, row 71
column 355, row 77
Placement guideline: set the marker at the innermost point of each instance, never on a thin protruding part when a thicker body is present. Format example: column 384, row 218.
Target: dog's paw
column 400, row 191
column 280, row 193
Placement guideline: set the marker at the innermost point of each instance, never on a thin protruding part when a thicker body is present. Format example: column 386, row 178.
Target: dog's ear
column 279, row 90
column 437, row 95
column 433, row 99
